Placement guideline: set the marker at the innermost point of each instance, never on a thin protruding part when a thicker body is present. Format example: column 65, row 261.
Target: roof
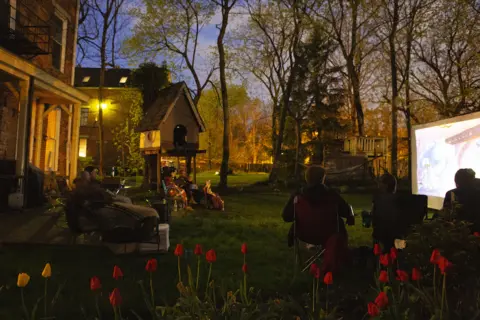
column 114, row 78
column 161, row 108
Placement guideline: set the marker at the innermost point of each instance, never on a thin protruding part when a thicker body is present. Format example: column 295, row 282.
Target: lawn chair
column 313, row 228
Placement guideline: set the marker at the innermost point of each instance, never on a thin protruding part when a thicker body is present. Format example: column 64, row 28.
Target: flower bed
column 425, row 292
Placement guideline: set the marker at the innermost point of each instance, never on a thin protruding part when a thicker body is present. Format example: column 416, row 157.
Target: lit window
column 82, row 148
column 123, row 80
column 84, row 116
column 86, row 79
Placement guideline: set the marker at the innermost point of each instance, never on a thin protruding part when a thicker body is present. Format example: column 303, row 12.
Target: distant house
column 115, row 111
column 39, row 107
column 170, row 129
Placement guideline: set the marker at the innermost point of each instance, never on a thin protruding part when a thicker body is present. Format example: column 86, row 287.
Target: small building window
column 123, row 80
column 84, row 116
column 86, row 79
column 58, row 42
column 82, row 148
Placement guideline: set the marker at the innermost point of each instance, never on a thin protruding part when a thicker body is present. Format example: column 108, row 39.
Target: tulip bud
column 47, row 271
column 23, row 280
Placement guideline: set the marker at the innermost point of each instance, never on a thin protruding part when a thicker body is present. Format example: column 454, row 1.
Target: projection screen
column 439, row 149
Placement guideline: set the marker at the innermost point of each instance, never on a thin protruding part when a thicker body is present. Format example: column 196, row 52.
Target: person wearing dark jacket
column 317, row 193
column 318, row 213
column 385, row 227
column 464, row 200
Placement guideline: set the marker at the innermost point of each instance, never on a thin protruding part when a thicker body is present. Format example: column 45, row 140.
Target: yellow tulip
column 47, row 271
column 23, row 280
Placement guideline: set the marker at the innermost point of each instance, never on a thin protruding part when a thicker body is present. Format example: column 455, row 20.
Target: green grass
column 252, row 216
column 236, row 180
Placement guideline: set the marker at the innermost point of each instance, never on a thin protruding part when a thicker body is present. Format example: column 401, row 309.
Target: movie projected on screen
column 439, row 149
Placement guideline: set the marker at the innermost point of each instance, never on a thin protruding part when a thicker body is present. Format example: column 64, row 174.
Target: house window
column 84, row 116
column 59, row 42
column 82, row 148
column 86, row 79
column 123, row 80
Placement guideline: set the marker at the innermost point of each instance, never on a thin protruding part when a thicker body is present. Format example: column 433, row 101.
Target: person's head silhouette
column 388, row 183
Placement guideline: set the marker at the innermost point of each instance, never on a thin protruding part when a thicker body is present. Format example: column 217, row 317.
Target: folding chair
column 316, row 219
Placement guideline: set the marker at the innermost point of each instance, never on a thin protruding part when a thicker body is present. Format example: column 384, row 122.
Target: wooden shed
column 170, row 128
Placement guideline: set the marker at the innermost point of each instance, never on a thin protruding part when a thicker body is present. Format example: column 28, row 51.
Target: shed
column 171, row 128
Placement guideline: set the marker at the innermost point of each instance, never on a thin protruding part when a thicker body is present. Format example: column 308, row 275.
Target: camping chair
column 395, row 214
column 314, row 228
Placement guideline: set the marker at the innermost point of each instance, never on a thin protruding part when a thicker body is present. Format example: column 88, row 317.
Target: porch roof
column 47, row 86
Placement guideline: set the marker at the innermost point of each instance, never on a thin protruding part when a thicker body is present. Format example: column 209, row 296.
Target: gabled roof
column 114, row 78
column 167, row 98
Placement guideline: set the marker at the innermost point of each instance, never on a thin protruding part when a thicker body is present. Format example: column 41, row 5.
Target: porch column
column 74, row 143
column 23, row 132
column 69, row 142
column 159, row 172
column 38, row 134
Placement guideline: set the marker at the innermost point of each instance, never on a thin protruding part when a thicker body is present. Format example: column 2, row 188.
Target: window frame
column 61, row 15
column 84, row 114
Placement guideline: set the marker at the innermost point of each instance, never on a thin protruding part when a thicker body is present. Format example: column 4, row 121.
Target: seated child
column 212, row 199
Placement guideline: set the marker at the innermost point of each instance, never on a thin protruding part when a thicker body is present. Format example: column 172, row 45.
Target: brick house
column 115, row 111
column 39, row 107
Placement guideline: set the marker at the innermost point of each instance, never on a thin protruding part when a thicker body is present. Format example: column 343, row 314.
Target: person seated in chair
column 317, row 213
column 382, row 232
column 184, row 182
column 463, row 201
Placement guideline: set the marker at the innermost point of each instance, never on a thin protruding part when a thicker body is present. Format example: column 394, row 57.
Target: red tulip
column 117, row 273
column 402, row 276
column 444, row 264
column 377, row 250
column 476, row 234
column 381, row 300
column 393, row 254
column 383, row 277
column 179, row 250
column 115, row 298
column 373, row 310
column 313, row 269
column 244, row 248
column 151, row 265
column 245, row 268
column 435, row 256
column 317, row 273
column 95, row 284
column 385, row 259
column 211, row 256
column 416, row 274
column 198, row 250
column 328, row 279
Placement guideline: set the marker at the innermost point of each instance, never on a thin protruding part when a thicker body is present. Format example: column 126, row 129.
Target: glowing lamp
column 103, row 106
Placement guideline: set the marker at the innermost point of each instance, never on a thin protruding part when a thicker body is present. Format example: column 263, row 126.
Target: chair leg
column 312, row 259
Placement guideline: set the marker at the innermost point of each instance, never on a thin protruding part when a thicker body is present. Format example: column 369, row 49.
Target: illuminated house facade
column 115, row 109
column 39, row 106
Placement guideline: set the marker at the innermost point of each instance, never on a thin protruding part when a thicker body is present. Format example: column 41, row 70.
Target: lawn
column 252, row 216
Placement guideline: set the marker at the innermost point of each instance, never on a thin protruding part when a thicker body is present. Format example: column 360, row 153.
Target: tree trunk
column 298, row 133
column 223, row 83
column 393, row 66
column 274, row 125
column 103, row 65
column 408, row 101
column 357, row 101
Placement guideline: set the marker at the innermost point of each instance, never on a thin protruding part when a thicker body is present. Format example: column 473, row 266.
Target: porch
column 39, row 123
